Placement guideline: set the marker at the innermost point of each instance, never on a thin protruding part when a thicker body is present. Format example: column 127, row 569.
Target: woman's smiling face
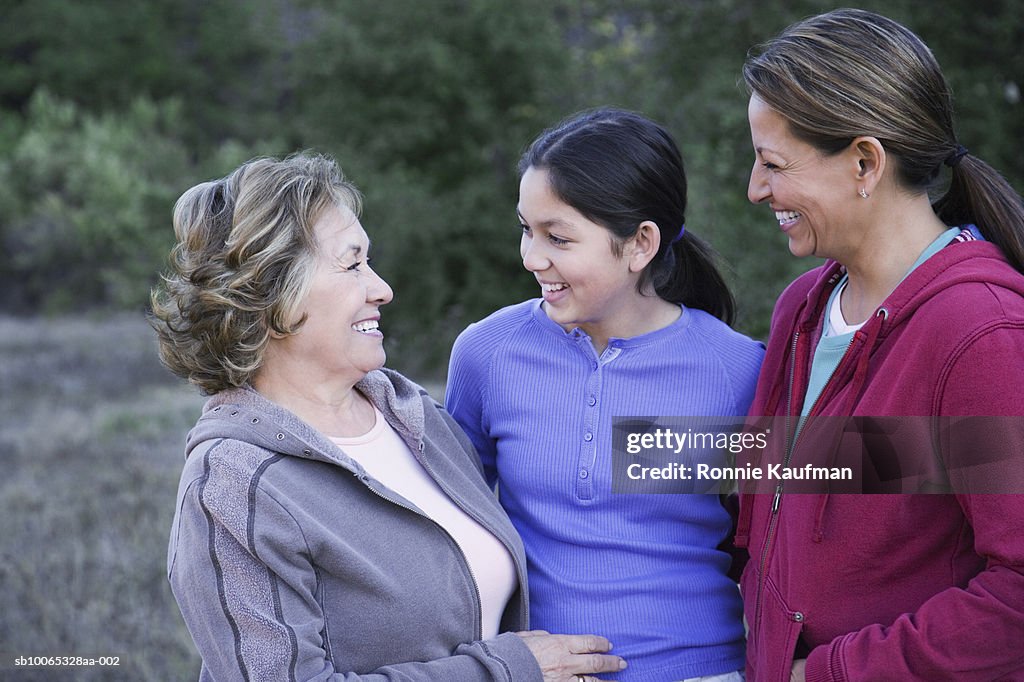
column 809, row 191
column 340, row 337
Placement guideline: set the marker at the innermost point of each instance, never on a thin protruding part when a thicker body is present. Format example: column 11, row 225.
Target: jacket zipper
column 477, row 624
column 790, row 446
column 476, row 586
column 777, row 499
column 520, row 569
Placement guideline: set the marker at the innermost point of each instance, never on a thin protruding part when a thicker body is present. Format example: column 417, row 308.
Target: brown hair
column 242, row 263
column 850, row 73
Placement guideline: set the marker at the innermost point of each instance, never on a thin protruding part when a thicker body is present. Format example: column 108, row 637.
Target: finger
column 585, row 644
column 585, row 664
column 532, row 633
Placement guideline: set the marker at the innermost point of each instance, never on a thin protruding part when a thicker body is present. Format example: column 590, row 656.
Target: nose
column 379, row 292
column 534, row 259
column 758, row 189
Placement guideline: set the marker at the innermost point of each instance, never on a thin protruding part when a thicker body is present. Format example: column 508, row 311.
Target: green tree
column 428, row 106
column 86, row 202
column 221, row 58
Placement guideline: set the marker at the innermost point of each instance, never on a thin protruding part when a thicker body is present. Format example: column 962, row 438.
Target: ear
column 644, row 246
column 870, row 158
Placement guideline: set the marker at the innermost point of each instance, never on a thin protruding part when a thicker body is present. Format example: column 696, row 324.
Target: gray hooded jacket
column 289, row 562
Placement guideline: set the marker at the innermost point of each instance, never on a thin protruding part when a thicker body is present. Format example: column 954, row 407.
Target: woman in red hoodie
column 917, row 312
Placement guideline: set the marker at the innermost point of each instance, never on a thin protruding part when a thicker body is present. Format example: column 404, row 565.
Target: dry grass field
column 92, row 431
column 91, row 436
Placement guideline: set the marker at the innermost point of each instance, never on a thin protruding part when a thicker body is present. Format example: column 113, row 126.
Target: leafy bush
column 85, row 202
column 426, row 106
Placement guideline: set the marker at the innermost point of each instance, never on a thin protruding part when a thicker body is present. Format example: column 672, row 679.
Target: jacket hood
column 243, row 414
column 801, row 309
column 803, row 303
column 970, row 262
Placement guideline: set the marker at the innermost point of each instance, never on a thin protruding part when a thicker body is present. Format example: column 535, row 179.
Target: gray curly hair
column 242, row 264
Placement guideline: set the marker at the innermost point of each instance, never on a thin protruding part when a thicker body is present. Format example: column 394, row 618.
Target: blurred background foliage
column 110, row 110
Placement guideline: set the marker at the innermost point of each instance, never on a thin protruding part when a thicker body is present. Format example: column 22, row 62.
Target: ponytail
column 850, row 72
column 979, row 194
column 687, row 274
column 619, row 169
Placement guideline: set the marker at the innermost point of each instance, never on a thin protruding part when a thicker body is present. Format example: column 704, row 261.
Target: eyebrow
column 547, row 224
column 355, row 249
column 762, row 150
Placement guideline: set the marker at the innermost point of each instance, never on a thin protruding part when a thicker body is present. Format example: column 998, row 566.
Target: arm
column 464, row 398
column 974, row 632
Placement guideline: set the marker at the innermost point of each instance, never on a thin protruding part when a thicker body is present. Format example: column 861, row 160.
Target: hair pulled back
column 619, row 169
column 851, row 73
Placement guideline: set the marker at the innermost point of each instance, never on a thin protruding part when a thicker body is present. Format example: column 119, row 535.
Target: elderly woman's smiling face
column 340, row 339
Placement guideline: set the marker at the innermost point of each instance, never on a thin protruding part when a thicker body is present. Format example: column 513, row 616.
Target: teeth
column 786, row 216
column 366, row 326
column 555, row 287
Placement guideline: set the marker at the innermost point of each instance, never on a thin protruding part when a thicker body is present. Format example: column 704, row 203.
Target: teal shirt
column 831, row 349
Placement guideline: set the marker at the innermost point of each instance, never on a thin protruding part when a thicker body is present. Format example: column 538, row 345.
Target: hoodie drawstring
column 873, row 329
column 857, row 383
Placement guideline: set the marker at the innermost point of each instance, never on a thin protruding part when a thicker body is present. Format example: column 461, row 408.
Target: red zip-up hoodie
column 896, row 587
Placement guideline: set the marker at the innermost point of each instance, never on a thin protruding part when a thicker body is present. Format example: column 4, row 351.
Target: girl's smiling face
column 583, row 281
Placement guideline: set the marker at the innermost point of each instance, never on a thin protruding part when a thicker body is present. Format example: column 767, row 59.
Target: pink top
column 386, row 457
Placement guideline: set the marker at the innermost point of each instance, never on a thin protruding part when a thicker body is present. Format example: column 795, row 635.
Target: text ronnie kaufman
column 707, row 472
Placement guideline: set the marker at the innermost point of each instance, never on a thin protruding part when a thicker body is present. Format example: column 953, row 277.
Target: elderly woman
column 917, row 311
column 332, row 521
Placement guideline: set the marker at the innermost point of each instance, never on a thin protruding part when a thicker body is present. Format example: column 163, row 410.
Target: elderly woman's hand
column 569, row 658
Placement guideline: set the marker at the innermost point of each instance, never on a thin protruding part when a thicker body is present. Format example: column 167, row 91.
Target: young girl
column 633, row 320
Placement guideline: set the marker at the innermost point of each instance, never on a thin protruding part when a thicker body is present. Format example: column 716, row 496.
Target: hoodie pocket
column 772, row 643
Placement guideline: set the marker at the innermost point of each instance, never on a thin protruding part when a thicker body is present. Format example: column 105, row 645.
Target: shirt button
column 583, row 473
column 592, row 401
column 588, row 436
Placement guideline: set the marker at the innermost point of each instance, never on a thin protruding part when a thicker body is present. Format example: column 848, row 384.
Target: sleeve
column 739, row 556
column 249, row 601
column 460, row 435
column 746, row 368
column 975, row 632
column 465, row 393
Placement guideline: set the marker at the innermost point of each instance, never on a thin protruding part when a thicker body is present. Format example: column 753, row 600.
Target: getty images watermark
column 859, row 455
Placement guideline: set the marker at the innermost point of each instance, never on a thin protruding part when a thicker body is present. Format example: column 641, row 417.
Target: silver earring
column 863, row 193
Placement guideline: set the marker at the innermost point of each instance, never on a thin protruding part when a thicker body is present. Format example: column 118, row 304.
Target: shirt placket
column 592, row 407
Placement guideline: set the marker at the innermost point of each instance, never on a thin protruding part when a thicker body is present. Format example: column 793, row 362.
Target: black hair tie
column 953, row 159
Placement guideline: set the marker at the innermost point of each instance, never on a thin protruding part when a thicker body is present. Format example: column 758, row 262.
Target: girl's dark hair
column 618, row 169
column 848, row 73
